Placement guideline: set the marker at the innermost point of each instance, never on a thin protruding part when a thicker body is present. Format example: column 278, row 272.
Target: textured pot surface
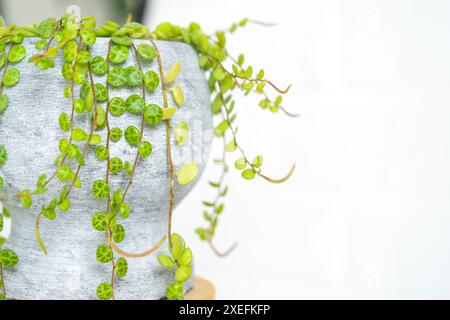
column 29, row 130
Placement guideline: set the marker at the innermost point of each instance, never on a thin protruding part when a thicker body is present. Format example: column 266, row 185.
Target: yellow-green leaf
column 177, row 94
column 168, row 113
column 181, row 133
column 173, row 72
column 187, row 173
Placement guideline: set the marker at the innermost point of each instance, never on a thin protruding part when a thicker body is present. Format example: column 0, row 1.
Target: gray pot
column 29, row 130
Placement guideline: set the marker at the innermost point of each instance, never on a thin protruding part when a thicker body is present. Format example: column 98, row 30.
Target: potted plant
column 104, row 129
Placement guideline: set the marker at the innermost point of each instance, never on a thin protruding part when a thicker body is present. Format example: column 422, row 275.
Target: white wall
column 367, row 213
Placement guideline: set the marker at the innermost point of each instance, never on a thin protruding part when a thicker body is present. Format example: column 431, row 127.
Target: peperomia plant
column 72, row 39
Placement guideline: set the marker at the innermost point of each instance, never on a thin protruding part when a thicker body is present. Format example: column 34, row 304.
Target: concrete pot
column 29, row 130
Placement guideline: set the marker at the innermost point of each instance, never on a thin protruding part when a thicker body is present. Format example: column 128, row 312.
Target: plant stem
column 130, row 181
column 2, row 280
column 169, row 150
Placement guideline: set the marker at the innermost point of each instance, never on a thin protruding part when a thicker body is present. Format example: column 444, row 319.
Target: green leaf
column 221, row 128
column 177, row 246
column 174, row 291
column 46, row 27
column 115, row 134
column 165, row 261
column 104, row 291
column 151, row 80
column 187, row 173
column 95, row 139
column 117, row 106
column 183, row 273
column 177, row 94
column 248, row 174
column 168, row 113
column 135, row 104
column 3, row 102
column 116, row 165
column 181, row 133
column 134, row 76
column 186, row 257
column 88, row 37
column 240, row 163
column 124, row 211
column 231, row 146
column 153, row 114
column 99, row 221
column 146, row 51
column 118, row 233
column 8, row 258
column 64, row 122
column 257, row 162
column 122, row 40
column 173, row 72
column 3, row 155
column 145, row 149
column 218, row 74
column 118, row 54
column 64, row 205
column 17, row 53
column 100, row 189
column 99, row 65
column 11, row 77
column 121, row 267
column 79, row 134
column 104, row 254
column 132, row 135
column 102, row 153
column 117, row 77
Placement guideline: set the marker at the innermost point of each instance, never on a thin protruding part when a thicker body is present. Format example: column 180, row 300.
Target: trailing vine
column 73, row 38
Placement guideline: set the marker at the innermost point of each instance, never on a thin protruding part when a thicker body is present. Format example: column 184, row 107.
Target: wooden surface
column 203, row 290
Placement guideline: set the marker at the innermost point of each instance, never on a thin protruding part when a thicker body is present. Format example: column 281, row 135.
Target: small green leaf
column 104, row 291
column 118, row 233
column 79, row 134
column 100, row 189
column 248, row 174
column 11, row 77
column 153, row 114
column 151, row 80
column 132, row 135
column 118, row 53
column 174, row 291
column 187, row 173
column 165, row 261
column 181, row 132
column 145, row 149
column 3, row 155
column 99, row 221
column 121, row 267
column 8, row 258
column 186, row 257
column 240, row 163
column 116, row 165
column 177, row 94
column 231, row 146
column 173, row 72
column 183, row 273
column 177, row 247
column 17, row 53
column 168, row 113
column 146, row 51
column 257, row 162
column 104, row 254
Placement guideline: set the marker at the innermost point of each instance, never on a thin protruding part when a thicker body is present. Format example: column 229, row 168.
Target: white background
column 367, row 213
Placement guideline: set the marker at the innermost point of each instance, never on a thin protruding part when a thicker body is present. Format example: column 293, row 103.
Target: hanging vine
column 73, row 39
